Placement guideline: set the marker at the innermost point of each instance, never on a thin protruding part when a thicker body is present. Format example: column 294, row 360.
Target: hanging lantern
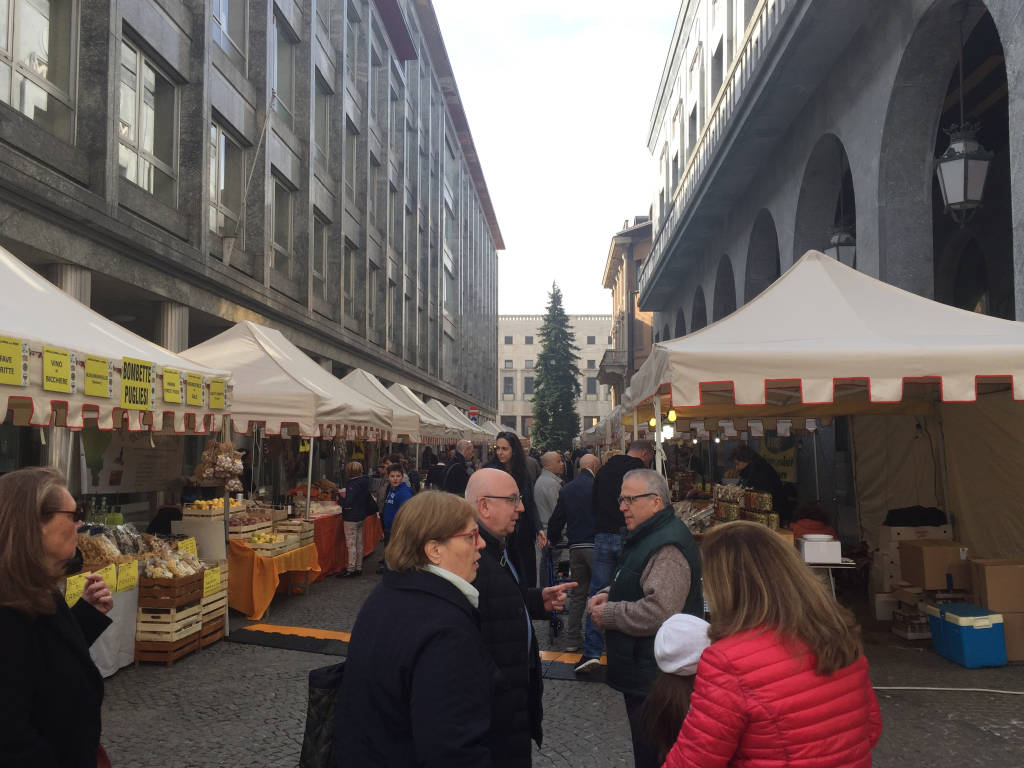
column 843, row 247
column 653, row 422
column 672, row 415
column 962, row 171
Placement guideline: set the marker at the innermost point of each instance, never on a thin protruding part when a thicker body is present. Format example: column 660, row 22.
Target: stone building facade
column 181, row 165
column 518, row 347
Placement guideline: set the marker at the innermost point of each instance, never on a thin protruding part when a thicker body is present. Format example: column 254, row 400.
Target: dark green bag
column 318, row 742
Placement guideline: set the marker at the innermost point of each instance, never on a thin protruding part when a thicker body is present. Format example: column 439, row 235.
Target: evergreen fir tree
column 557, row 381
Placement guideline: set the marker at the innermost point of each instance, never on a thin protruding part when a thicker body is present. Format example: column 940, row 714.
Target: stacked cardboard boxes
column 886, row 572
column 998, row 585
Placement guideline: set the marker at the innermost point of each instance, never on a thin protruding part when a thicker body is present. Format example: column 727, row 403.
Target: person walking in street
column 658, row 574
column 417, row 684
column 456, row 475
column 52, row 692
column 785, row 681
column 355, row 506
column 511, row 459
column 608, row 523
column 574, row 512
column 507, row 606
column 545, row 494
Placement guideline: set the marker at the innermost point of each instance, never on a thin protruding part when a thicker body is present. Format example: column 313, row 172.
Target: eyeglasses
column 475, row 533
column 514, row 499
column 628, row 500
column 77, row 514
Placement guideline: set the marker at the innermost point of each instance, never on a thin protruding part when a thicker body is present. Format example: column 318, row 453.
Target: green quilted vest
column 631, row 665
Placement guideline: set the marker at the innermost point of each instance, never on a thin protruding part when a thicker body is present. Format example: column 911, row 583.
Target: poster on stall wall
column 59, row 373
column 116, row 461
column 13, row 362
column 136, row 384
column 172, row 385
column 194, row 389
column 99, row 376
column 783, row 461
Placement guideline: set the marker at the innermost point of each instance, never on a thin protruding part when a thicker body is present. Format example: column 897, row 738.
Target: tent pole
column 814, row 447
column 635, row 416
column 309, row 475
column 659, row 452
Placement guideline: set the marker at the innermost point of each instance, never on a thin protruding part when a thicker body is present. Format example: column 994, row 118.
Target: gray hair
column 462, row 445
column 653, row 481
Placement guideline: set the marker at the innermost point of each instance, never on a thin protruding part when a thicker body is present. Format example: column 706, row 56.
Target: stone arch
column 725, row 290
column 680, row 323
column 763, row 265
column 827, row 201
column 700, row 311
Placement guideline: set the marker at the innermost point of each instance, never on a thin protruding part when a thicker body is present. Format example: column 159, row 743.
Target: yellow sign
column 13, row 362
column 188, row 545
column 58, row 370
column 217, row 394
column 784, row 462
column 109, row 574
column 75, row 588
column 99, row 376
column 136, row 384
column 304, row 445
column 211, row 581
column 172, row 385
column 127, row 575
column 194, row 389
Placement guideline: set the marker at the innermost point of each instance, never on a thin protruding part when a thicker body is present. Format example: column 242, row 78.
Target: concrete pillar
column 75, row 281
column 172, row 326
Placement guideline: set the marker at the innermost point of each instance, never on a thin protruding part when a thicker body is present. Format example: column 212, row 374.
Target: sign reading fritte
column 136, row 384
column 172, row 385
column 194, row 389
column 217, row 394
column 13, row 362
column 99, row 376
column 59, row 370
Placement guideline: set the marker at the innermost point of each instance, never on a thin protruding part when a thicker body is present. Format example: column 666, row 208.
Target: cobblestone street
column 243, row 705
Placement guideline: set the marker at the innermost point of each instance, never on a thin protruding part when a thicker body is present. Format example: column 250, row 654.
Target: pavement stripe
column 321, row 634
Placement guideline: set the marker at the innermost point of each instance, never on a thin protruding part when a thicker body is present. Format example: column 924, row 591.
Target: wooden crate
column 294, row 526
column 244, row 531
column 166, row 652
column 305, row 538
column 215, row 605
column 168, row 624
column 212, row 632
column 170, row 593
column 270, row 550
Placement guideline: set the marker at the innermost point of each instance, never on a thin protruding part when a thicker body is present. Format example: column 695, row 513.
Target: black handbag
column 318, row 741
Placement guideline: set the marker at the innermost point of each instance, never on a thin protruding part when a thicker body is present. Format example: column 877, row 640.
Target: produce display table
column 254, row 578
column 115, row 648
column 329, row 537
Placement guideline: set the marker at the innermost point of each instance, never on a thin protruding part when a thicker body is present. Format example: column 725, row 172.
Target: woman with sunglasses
column 50, row 708
column 417, row 683
column 511, row 458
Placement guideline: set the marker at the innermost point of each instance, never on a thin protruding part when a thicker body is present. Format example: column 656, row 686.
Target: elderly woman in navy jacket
column 417, row 683
column 51, row 689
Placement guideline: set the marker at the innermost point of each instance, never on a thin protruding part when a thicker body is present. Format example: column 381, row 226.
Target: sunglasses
column 475, row 533
column 77, row 514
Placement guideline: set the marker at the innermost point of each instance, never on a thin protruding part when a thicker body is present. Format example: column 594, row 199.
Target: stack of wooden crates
column 170, row 618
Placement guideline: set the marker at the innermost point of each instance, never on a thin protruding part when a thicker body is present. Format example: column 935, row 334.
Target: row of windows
column 528, row 364
column 591, row 340
column 508, row 386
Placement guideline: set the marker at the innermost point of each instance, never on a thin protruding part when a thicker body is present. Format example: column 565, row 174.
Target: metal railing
column 765, row 21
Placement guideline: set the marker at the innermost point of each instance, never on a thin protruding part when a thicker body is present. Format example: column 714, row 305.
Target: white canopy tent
column 458, row 428
column 83, row 350
column 432, row 425
column 490, row 428
column 826, row 340
column 406, row 422
column 479, row 434
column 279, row 385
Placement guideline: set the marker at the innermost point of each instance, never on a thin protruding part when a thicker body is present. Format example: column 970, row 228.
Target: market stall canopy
column 279, row 385
column 825, row 339
column 432, row 425
column 62, row 363
column 491, row 429
column 437, row 408
column 478, row 434
column 406, row 422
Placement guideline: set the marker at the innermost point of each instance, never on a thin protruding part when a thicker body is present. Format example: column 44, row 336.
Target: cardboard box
column 885, row 571
column 894, row 534
column 998, row 584
column 927, row 562
column 885, row 604
column 821, row 552
column 1013, row 628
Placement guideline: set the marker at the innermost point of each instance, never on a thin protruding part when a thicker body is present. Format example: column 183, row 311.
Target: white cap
column 680, row 642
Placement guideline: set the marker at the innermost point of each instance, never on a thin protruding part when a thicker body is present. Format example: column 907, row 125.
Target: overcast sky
column 559, row 95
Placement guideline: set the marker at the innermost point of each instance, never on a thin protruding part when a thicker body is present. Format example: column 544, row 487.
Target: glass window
column 229, row 25
column 451, row 298
column 283, row 72
column 508, row 385
column 226, row 182
column 352, row 36
column 591, row 385
column 349, row 281
column 610, row 341
column 528, row 340
column 371, row 195
column 529, row 364
column 323, row 15
column 35, row 61
column 282, row 250
column 321, row 119
column 147, row 121
column 394, row 325
column 508, row 339
column 591, row 364
column 508, row 363
column 351, row 158
column 378, row 81
column 319, row 266
column 373, row 286
column 591, row 340
column 528, row 385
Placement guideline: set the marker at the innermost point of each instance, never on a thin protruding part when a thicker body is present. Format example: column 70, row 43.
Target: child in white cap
column 677, row 648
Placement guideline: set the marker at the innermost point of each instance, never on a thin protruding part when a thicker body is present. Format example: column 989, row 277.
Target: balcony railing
column 765, row 22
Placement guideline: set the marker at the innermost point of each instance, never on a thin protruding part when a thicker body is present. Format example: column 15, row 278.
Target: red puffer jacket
column 758, row 704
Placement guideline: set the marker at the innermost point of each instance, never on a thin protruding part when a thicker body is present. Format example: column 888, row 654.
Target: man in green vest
column 658, row 575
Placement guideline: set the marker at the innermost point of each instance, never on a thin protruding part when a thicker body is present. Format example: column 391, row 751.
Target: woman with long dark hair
column 785, row 681
column 511, row 459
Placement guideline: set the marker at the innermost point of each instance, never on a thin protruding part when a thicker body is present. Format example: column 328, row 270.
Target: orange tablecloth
column 329, row 537
column 254, row 578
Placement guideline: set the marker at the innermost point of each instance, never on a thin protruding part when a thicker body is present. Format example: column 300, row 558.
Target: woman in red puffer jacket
column 784, row 682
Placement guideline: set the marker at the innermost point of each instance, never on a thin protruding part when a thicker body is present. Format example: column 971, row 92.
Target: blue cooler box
column 968, row 634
